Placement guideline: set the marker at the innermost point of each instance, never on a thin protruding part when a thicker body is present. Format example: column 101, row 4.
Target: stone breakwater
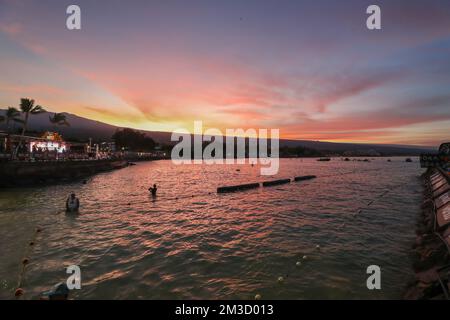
column 34, row 173
column 431, row 250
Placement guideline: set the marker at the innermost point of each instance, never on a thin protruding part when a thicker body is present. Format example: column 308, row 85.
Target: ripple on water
column 190, row 242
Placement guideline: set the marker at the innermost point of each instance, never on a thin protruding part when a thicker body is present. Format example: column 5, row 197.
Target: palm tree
column 28, row 108
column 2, row 118
column 59, row 119
column 12, row 114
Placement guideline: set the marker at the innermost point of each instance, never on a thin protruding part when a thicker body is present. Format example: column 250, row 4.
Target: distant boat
column 408, row 160
column 346, row 159
column 389, row 160
column 324, row 159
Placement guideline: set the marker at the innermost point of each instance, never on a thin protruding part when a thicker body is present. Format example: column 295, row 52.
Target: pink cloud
column 11, row 29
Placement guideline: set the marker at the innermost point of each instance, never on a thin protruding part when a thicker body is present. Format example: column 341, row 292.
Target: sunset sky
column 310, row 68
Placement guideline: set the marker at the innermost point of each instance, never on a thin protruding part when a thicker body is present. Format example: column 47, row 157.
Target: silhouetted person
column 72, row 203
column 153, row 190
column 59, row 292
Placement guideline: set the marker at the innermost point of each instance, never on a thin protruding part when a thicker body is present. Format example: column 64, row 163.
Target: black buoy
column 237, row 187
column 275, row 182
column 302, row 178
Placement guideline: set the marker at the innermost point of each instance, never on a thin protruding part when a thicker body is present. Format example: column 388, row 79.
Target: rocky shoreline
column 431, row 250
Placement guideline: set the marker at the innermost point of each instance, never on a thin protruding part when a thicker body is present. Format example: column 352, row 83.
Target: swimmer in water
column 153, row 190
column 72, row 203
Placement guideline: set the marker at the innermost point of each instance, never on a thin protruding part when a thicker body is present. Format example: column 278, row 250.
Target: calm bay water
column 191, row 243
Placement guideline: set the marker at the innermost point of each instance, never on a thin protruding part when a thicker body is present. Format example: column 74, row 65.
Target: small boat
column 408, row 160
column 324, row 159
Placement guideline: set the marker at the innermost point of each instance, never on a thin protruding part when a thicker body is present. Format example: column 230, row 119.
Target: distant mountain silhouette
column 81, row 129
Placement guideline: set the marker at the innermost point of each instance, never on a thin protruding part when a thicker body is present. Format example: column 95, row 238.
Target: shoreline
column 24, row 174
column 431, row 250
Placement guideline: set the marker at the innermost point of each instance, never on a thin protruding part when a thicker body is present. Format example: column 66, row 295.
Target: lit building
column 49, row 141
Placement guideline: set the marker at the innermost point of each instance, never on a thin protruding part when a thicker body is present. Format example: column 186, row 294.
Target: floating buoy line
column 301, row 261
column 18, row 293
column 373, row 200
column 292, row 269
column 252, row 185
column 255, row 185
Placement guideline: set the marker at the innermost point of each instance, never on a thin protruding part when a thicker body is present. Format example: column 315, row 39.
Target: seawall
column 15, row 174
column 431, row 250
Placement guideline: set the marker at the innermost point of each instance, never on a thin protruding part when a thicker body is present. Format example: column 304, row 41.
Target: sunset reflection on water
column 190, row 242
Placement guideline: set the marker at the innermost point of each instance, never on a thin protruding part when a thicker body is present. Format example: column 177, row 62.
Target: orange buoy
column 19, row 292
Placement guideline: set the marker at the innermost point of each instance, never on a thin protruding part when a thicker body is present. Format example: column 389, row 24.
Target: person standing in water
column 153, row 190
column 72, row 203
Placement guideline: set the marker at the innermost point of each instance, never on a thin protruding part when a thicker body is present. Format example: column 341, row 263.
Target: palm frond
column 12, row 113
column 26, row 104
column 59, row 119
column 37, row 109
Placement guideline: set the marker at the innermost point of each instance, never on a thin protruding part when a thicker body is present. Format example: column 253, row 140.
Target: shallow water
column 192, row 243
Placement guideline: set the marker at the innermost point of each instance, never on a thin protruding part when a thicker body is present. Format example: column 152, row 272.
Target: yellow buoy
column 280, row 279
column 298, row 264
column 258, row 297
column 305, row 257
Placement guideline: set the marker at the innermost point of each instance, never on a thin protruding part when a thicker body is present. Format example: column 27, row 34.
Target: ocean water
column 191, row 243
